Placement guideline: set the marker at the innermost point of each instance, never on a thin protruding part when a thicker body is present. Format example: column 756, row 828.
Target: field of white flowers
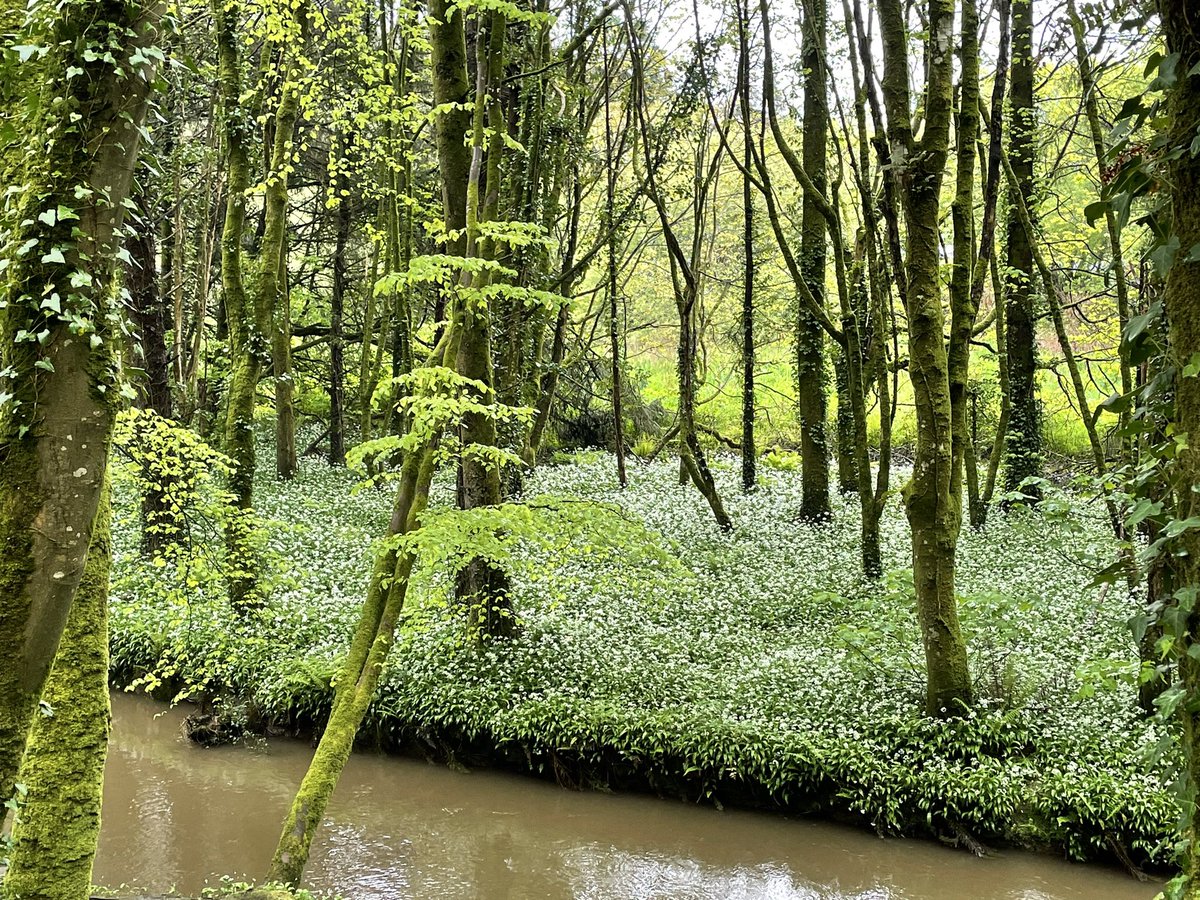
column 655, row 651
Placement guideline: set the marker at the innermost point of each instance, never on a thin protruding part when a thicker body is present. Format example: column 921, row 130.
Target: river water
column 177, row 816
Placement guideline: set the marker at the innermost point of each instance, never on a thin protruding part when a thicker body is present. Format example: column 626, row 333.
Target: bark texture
column 56, row 424
column 1023, row 441
column 56, row 831
column 1181, row 28
column 934, row 510
column 358, row 677
column 249, row 322
column 811, row 372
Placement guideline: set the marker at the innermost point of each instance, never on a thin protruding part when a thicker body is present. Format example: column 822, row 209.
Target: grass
column 720, row 399
column 755, row 667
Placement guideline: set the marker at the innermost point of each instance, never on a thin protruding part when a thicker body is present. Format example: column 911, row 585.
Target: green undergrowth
column 752, row 668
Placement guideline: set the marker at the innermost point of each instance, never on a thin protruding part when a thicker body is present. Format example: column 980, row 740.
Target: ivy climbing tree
column 60, row 329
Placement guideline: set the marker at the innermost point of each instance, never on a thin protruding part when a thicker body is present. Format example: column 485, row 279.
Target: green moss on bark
column 80, row 148
column 56, row 831
column 1182, row 301
column 933, row 509
column 359, row 676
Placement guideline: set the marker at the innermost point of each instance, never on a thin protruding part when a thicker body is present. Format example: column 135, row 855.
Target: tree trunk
column 248, row 325
column 483, row 585
column 149, row 311
column 844, row 425
column 1023, row 442
column 57, row 420
column 849, row 337
column 811, row 374
column 273, row 276
column 337, row 416
column 985, row 266
column 610, row 187
column 1182, row 302
column 1091, row 106
column 367, row 374
column 56, row 831
column 358, row 678
column 749, row 455
column 964, row 304
column 933, row 509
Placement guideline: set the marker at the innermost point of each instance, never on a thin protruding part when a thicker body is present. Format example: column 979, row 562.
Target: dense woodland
column 788, row 402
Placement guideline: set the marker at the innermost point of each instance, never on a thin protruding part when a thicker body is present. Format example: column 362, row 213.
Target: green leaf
column 1192, row 368
column 1093, row 212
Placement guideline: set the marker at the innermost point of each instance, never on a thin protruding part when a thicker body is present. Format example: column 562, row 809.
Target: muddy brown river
column 177, row 816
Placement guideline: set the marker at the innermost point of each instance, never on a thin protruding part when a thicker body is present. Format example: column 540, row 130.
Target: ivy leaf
column 54, row 256
column 1164, row 254
column 1093, row 212
column 1193, row 366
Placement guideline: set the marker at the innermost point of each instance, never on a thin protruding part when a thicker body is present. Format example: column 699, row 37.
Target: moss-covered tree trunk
column 1023, row 441
column 933, row 509
column 358, row 677
column 150, row 313
column 58, row 347
column 749, row 454
column 849, row 338
column 451, row 96
column 1181, row 298
column 610, row 225
column 464, row 167
column 56, row 831
column 1096, row 129
column 368, row 374
column 963, row 299
column 337, row 302
column 979, row 496
column 398, row 245
column 149, row 308
column 273, row 289
column 247, row 322
column 811, row 368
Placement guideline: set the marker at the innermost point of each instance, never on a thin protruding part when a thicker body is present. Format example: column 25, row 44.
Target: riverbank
column 656, row 653
column 180, row 816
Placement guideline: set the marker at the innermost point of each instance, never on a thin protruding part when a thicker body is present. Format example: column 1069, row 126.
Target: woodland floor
column 656, row 652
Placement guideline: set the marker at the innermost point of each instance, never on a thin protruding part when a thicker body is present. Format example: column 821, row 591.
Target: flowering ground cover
column 656, row 651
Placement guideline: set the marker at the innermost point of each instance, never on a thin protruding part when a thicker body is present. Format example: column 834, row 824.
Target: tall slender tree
column 1023, row 441
column 934, row 510
column 749, row 452
column 1181, row 300
column 811, row 367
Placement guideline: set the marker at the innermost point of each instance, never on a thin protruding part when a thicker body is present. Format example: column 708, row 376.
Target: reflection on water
column 176, row 815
